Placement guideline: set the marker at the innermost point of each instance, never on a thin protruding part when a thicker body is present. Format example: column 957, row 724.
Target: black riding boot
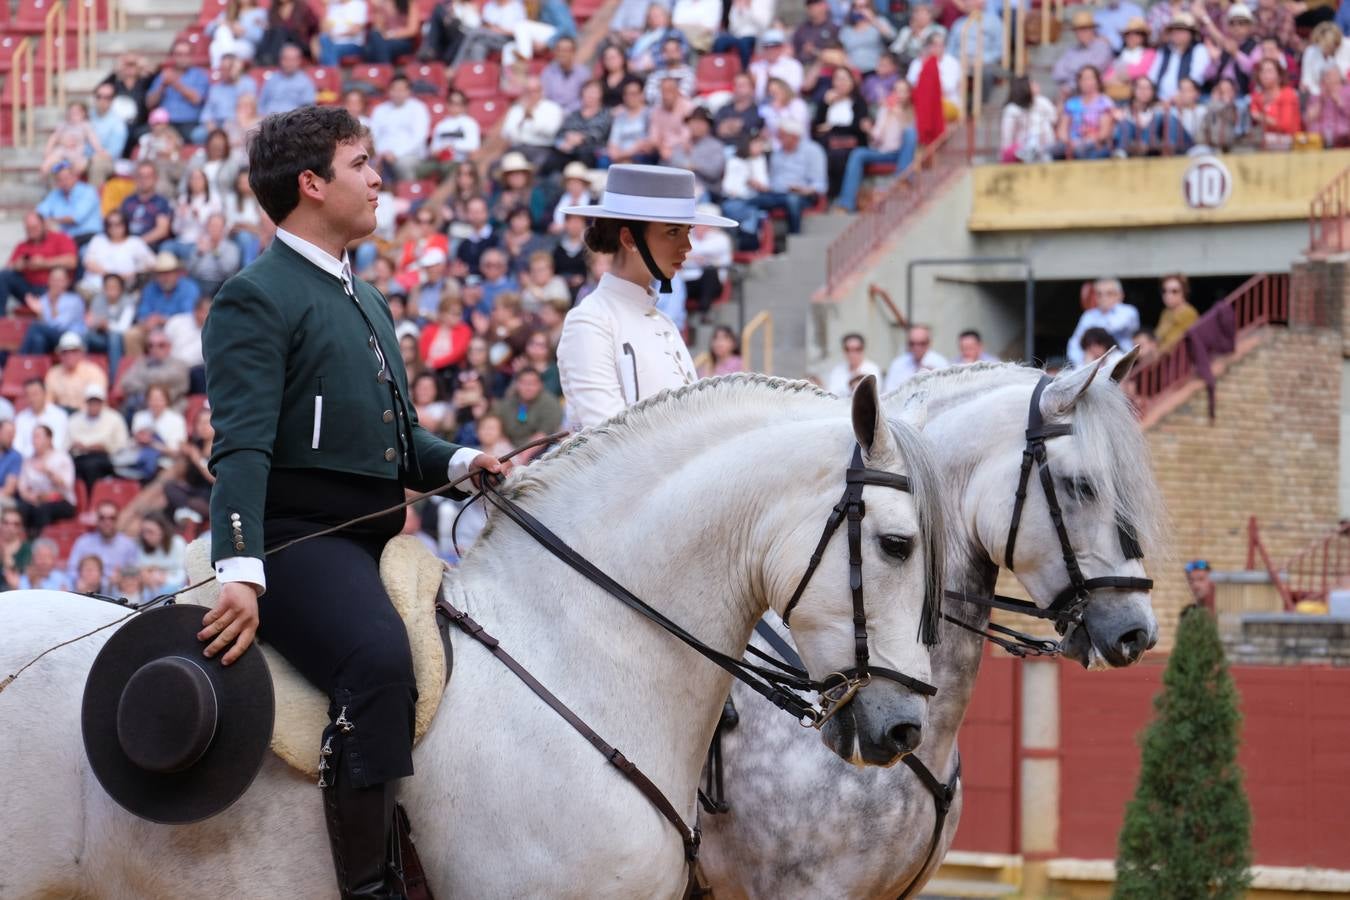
column 360, row 829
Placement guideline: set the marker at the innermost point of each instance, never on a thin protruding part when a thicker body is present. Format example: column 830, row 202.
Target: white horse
column 706, row 502
column 803, row 824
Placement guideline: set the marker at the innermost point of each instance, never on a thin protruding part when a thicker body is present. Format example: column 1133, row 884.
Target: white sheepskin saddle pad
column 412, row 576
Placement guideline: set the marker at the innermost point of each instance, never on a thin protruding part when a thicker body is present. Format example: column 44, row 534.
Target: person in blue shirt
column 11, row 461
column 167, row 294
column 223, row 97
column 497, row 277
column 289, row 88
column 58, row 310
column 72, row 204
column 108, row 125
column 180, row 90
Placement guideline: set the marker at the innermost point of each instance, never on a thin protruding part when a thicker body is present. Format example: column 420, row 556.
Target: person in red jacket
column 445, row 341
column 1275, row 105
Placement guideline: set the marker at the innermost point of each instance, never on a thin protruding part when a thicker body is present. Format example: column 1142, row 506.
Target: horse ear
column 1121, row 370
column 1062, row 393
column 869, row 424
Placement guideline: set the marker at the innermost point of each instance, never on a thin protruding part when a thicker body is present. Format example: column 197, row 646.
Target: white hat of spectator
column 166, row 261
column 69, row 341
column 791, row 126
column 95, row 392
column 772, row 37
column 1240, row 12
column 1183, row 20
column 650, row 194
column 433, row 256
column 576, row 171
column 515, row 161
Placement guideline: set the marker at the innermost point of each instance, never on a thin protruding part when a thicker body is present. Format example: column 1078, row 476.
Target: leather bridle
column 1067, row 607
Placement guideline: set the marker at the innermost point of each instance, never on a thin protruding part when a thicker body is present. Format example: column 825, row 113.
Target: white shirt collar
column 340, row 269
column 641, row 296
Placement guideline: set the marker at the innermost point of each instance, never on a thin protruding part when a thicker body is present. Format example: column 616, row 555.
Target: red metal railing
column 1314, row 571
column 930, row 167
column 1327, row 214
column 1256, row 548
column 1260, row 300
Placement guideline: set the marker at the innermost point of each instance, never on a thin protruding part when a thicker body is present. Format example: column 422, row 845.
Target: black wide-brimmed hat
column 172, row 736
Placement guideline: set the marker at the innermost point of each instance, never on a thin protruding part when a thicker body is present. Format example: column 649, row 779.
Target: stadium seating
column 12, row 330
column 717, row 72
column 488, row 111
column 479, row 80
column 19, row 369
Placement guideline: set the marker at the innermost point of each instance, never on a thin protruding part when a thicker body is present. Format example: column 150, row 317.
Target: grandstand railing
column 1327, row 214
column 762, row 325
column 1312, row 573
column 878, row 222
column 22, row 75
column 1260, row 300
column 54, row 37
column 1256, row 548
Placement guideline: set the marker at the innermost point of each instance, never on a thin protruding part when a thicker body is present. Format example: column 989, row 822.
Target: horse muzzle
column 1112, row 635
column 881, row 723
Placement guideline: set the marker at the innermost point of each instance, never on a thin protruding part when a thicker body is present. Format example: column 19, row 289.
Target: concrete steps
column 954, row 888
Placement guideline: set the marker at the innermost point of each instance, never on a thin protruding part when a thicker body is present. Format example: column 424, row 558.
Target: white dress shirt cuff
column 462, row 461
column 248, row 569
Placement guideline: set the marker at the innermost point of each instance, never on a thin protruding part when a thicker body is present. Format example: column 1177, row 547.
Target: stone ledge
column 1282, row 878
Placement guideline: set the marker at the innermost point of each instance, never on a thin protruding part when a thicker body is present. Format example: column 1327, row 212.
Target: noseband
column 839, row 687
column 1068, row 605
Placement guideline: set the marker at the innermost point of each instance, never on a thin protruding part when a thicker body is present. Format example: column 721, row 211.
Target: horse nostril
column 1132, row 644
column 904, row 738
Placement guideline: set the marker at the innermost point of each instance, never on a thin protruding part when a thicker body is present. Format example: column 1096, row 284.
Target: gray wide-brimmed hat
column 650, row 194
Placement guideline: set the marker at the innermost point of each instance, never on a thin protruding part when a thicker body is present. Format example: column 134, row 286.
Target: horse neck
column 686, row 529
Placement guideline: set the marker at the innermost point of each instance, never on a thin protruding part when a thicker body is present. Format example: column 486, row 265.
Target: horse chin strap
column 1067, row 608
column 640, row 241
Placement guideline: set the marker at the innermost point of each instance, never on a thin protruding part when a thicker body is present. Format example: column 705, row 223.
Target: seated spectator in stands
column 111, row 130
column 74, row 374
column 1140, row 122
column 32, row 260
column 169, row 425
column 490, row 436
column 1085, row 129
column 289, row 87
column 88, row 575
column 672, row 65
column 426, row 396
column 698, row 21
column 1274, row 107
column 1181, row 56
column 399, row 128
column 58, row 310
column 180, row 89
column 1234, row 47
column 1327, row 49
column 343, row 31
column 222, row 98
column 704, row 271
column 581, row 138
column 448, row 24
column 184, row 332
column 1115, row 17
column 422, row 233
column 724, row 354
column 43, row 572
column 614, row 76
column 539, row 355
column 130, row 83
column 1095, row 343
column 1147, row 345
column 168, row 293
column 739, row 115
column 782, row 105
column 844, row 377
column 746, row 21
column 236, row 32
column 149, row 215
column 527, row 36
column 394, row 28
column 645, row 55
column 289, row 22
column 128, row 587
column 700, row 151
column 188, row 491
column 197, row 203
column 46, row 484
column 865, row 35
column 630, row 19
column 569, row 253
column 445, row 341
column 105, row 544
column 480, row 237
column 404, row 325
column 74, row 142
column 1185, row 118
column 1027, row 129
column 775, row 62
column 532, row 123
column 155, row 369
column 1135, row 58
column 1092, row 50
column 909, row 44
column 970, row 348
column 1225, row 122
column 841, row 124
column 72, row 205
column 819, row 32
column 797, row 176
column 528, row 411
column 539, row 284
column 11, row 461
column 434, row 279
column 920, row 357
column 246, row 118
column 111, row 312
column 1328, row 113
column 949, row 74
column 214, row 258
column 747, row 174
column 563, row 78
column 892, row 139
column 516, row 188
column 161, row 554
column 1275, row 20
column 497, row 278
column 629, row 135
column 1178, row 315
column 877, row 86
column 162, row 146
column 456, row 137
column 38, row 412
column 97, row 434
column 1111, row 314
column 245, row 220
column 114, row 251
column 666, row 121
column 15, row 548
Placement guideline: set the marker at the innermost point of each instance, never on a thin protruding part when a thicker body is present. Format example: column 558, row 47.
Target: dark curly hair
column 291, row 143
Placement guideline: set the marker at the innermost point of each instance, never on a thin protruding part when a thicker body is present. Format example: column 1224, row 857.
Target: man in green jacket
column 314, row 427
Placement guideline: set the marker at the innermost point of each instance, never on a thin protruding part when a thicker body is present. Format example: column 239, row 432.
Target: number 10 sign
column 1207, row 183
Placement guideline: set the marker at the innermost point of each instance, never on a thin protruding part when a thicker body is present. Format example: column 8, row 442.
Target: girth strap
column 612, row 755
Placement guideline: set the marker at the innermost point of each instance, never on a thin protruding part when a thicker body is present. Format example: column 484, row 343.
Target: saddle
column 412, row 575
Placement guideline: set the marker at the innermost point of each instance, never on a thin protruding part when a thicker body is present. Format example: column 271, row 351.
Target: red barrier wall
column 989, row 765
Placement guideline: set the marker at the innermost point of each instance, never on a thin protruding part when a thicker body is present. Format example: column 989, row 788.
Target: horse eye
column 897, row 546
column 1080, row 489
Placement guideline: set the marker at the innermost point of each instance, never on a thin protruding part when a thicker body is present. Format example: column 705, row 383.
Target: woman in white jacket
column 617, row 348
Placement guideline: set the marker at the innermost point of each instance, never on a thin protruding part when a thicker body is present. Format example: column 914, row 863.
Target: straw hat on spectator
column 515, row 161
column 773, row 37
column 69, row 341
column 1136, row 25
column 1082, row 19
column 1183, row 20
column 1240, row 12
column 166, row 262
column 577, row 171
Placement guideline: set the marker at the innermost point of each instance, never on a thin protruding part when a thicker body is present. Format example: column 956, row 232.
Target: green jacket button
column 388, row 416
column 389, row 455
column 239, row 545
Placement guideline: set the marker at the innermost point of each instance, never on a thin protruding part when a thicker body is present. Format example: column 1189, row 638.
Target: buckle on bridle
column 837, row 696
